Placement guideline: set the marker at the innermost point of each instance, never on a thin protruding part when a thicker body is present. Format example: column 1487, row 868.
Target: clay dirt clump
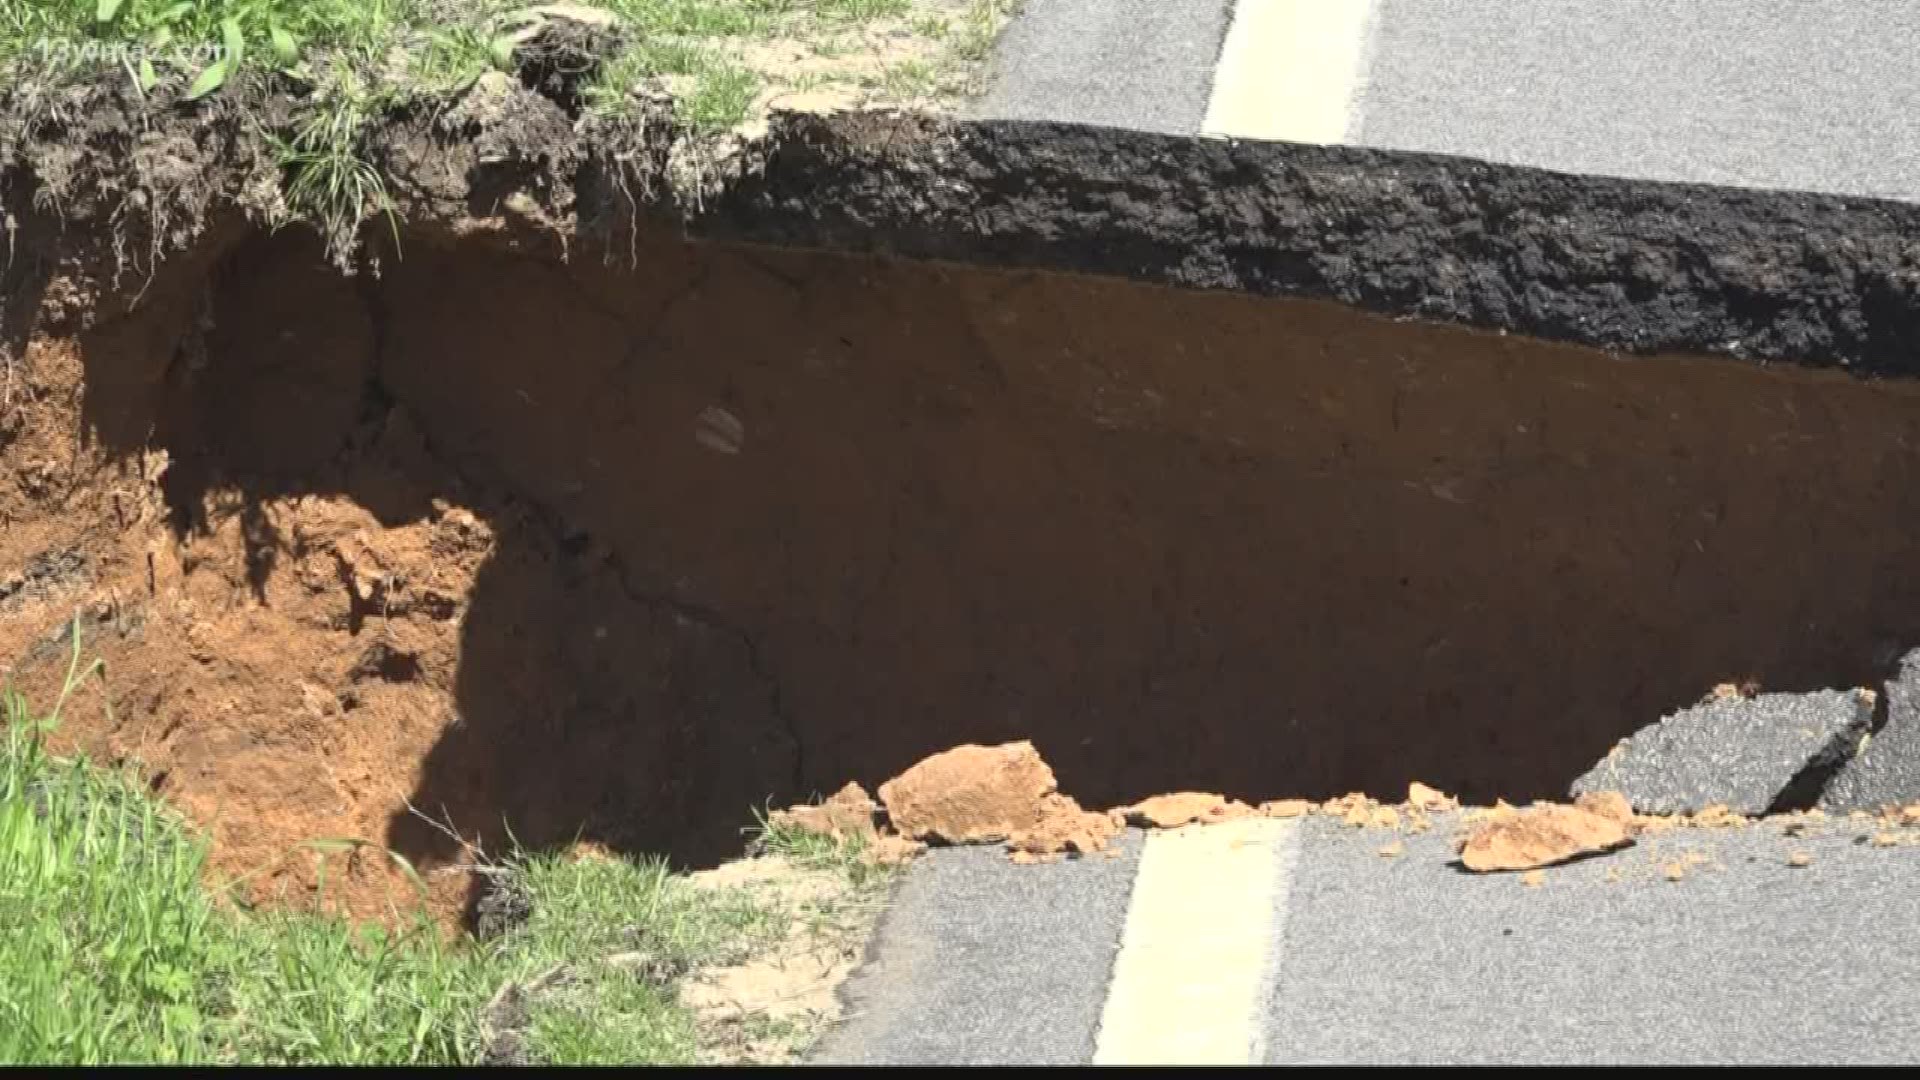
column 1540, row 836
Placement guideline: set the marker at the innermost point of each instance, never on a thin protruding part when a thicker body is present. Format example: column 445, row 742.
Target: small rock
column 1533, row 879
column 970, row 794
column 1541, row 835
column 1393, row 850
column 1431, row 800
column 1740, row 752
column 1799, row 860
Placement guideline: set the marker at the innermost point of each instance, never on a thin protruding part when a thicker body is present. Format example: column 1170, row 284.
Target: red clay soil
column 1541, row 836
column 989, row 794
column 618, row 554
column 970, row 794
column 1184, row 808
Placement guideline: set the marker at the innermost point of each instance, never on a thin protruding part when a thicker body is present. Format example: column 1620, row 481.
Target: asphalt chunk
column 1742, row 753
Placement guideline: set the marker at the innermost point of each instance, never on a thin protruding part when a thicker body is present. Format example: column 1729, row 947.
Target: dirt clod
column 890, row 850
column 1064, row 828
column 1608, row 804
column 971, row 794
column 1429, row 799
column 505, row 1019
column 848, row 814
column 504, row 905
column 1541, row 835
column 1185, row 808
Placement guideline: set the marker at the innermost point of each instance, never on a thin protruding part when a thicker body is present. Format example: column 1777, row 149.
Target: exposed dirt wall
column 615, row 554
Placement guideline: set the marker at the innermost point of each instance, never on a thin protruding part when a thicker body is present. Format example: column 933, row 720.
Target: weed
column 328, row 180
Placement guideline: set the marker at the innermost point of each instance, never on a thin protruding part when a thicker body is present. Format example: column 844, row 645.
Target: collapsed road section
column 611, row 495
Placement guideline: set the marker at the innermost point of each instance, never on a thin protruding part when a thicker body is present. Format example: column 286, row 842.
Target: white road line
column 1189, row 986
column 1289, row 70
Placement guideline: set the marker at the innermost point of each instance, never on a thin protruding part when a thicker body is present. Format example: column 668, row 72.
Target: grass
column 815, row 851
column 347, row 63
column 113, row 948
column 201, row 47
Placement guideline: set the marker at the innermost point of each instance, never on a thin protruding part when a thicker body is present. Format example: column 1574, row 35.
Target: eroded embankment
column 621, row 553
column 617, row 545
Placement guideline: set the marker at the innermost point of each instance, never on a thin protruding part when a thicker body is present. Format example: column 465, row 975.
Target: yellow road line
column 1288, row 70
column 1190, row 981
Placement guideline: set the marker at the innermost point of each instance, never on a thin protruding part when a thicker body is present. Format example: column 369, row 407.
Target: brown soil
column 847, row 815
column 1063, row 828
column 1184, row 808
column 616, row 555
column 1540, row 836
column 767, row 1007
column 970, row 794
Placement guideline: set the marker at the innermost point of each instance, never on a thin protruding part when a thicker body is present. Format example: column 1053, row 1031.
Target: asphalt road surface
column 1367, row 958
column 1301, row 942
column 1805, row 94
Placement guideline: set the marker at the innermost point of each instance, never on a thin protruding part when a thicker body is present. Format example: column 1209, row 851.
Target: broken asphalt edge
column 1626, row 265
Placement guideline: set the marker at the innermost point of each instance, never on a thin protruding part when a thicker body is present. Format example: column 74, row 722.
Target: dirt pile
column 966, row 795
column 1008, row 794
